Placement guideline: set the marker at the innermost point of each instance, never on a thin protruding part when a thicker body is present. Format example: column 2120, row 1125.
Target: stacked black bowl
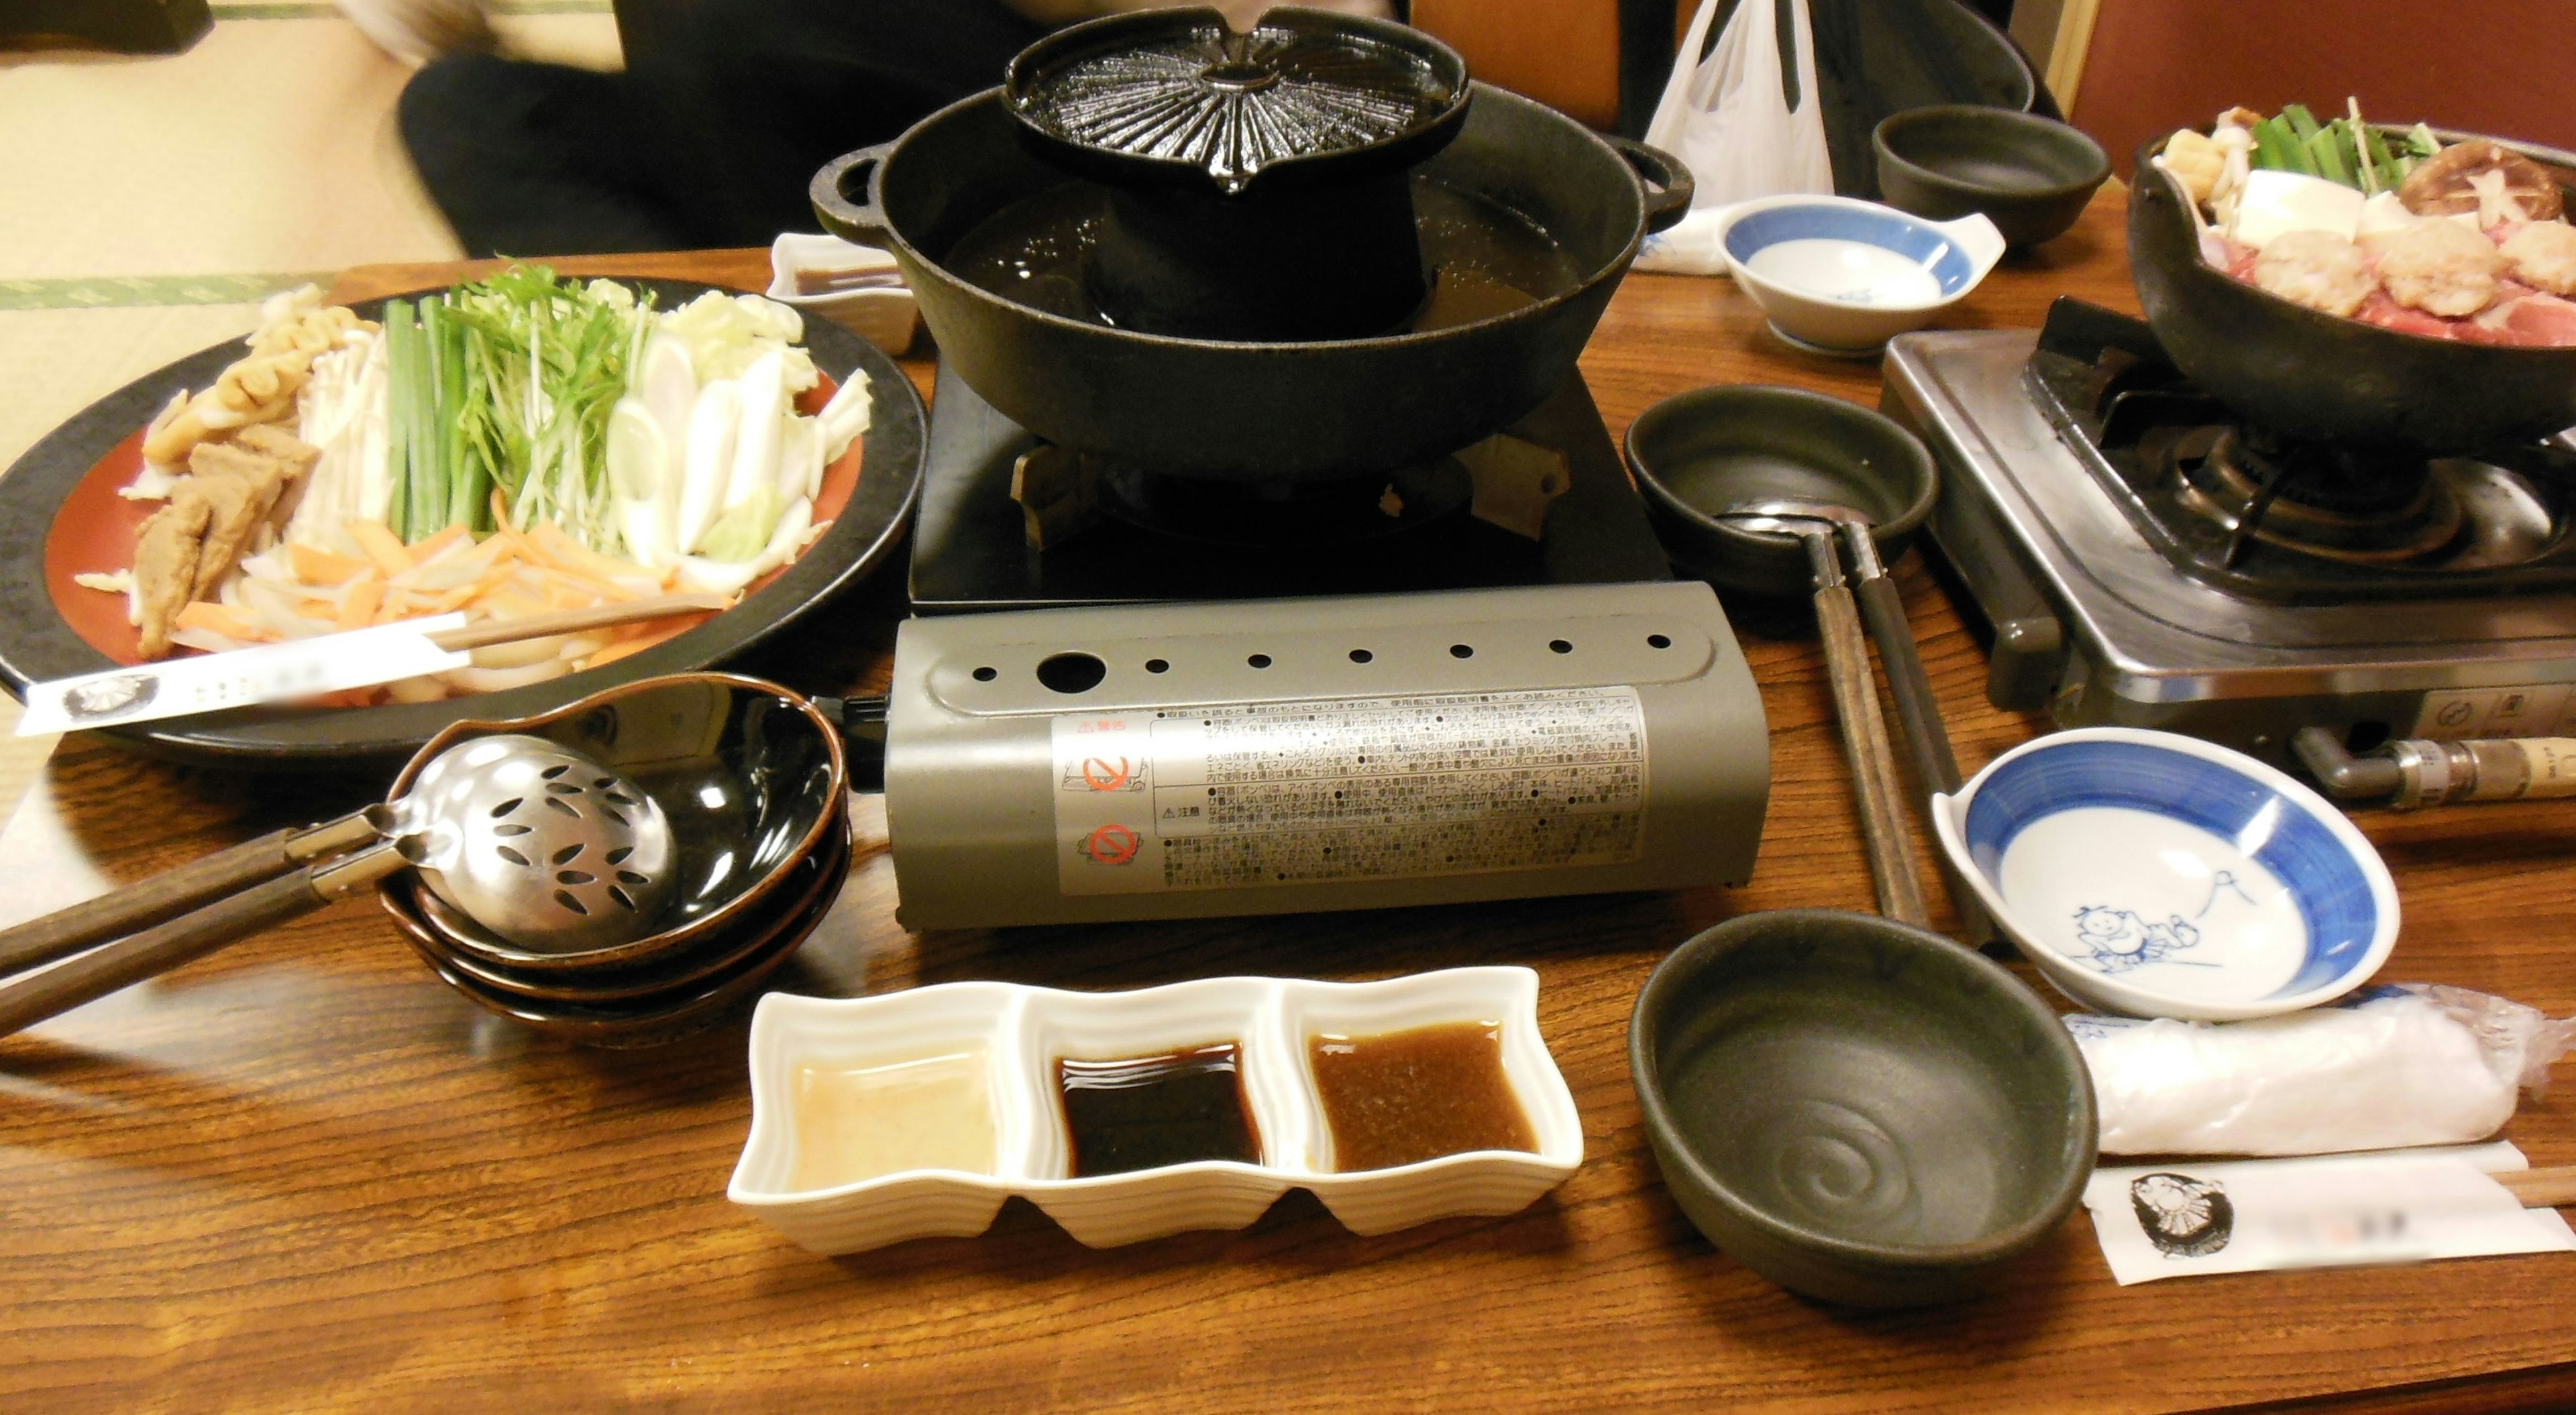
column 752, row 781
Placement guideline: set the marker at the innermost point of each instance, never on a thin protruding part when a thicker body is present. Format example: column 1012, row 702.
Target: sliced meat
column 239, row 486
column 166, row 551
column 224, row 500
column 2542, row 321
column 270, row 440
column 2380, row 310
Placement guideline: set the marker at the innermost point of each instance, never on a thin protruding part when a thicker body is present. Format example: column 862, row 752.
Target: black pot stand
column 971, row 549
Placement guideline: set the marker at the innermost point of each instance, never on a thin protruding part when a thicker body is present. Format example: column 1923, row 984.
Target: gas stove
column 1008, row 522
column 2145, row 560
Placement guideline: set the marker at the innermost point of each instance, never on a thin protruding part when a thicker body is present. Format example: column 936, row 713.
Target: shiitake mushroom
column 2440, row 185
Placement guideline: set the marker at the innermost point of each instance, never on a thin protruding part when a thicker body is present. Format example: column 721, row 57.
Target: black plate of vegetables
column 59, row 506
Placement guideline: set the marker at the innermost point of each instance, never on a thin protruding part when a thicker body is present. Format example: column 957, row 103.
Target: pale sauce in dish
column 857, row 1122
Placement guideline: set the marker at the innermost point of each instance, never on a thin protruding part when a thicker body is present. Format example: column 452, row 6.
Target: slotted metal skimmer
column 543, row 847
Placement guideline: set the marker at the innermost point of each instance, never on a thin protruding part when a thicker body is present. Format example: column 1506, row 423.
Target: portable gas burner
column 989, row 538
column 2146, row 559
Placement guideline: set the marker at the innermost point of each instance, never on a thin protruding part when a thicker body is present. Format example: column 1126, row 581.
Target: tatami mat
column 152, row 201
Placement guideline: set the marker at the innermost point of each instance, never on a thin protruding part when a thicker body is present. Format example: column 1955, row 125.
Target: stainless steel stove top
column 2095, row 624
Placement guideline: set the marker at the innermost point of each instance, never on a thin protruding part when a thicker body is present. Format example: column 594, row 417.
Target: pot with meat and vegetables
column 2360, row 283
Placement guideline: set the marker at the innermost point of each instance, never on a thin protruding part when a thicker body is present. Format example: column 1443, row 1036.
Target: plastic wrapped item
column 2407, row 1065
column 1747, row 120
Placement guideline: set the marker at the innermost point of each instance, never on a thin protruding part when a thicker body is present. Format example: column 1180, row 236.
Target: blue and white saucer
column 2162, row 876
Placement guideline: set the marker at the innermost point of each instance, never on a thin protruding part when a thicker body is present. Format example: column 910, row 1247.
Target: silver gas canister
column 1280, row 756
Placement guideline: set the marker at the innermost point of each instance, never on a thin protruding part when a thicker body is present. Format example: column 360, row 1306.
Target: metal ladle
column 534, row 842
column 1918, row 713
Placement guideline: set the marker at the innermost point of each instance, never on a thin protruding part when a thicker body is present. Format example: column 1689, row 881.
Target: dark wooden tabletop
column 303, row 1174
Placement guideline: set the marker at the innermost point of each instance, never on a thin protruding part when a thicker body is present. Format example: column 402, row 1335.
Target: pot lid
column 1179, row 93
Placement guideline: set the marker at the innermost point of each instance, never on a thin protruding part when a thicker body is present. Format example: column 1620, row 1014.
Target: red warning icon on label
column 1111, row 845
column 1102, row 774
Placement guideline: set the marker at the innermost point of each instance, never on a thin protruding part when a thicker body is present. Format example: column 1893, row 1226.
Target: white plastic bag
column 1729, row 120
column 2407, row 1065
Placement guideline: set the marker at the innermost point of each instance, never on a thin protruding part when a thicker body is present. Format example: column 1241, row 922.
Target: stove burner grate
column 2238, row 507
column 2367, row 511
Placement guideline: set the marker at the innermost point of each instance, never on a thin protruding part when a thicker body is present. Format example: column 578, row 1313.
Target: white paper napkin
column 2188, row 1218
column 1689, row 248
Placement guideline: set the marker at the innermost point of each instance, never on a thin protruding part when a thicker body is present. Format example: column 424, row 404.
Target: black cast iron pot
column 1281, row 412
column 1258, row 183
column 2312, row 375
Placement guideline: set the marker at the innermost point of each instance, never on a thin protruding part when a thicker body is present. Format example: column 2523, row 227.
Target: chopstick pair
column 148, row 928
column 1840, row 611
column 1918, row 712
column 173, row 892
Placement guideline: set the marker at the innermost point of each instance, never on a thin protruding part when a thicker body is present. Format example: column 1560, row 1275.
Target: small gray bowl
column 1696, row 454
column 1861, row 1111
column 2031, row 176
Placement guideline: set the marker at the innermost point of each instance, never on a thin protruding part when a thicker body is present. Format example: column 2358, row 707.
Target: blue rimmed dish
column 1841, row 277
column 2162, row 876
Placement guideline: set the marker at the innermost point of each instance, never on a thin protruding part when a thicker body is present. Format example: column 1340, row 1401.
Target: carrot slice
column 575, row 558
column 658, row 631
column 446, row 536
column 321, row 567
column 381, row 545
column 223, row 619
column 509, row 603
column 360, row 606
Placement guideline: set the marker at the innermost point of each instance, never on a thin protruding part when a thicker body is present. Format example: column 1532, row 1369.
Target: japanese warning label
column 1348, row 789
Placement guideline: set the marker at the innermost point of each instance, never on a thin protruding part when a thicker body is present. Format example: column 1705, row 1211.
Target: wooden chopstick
column 2540, row 1188
column 568, row 621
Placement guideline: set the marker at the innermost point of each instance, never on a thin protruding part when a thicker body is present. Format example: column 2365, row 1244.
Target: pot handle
column 1668, row 183
column 857, row 221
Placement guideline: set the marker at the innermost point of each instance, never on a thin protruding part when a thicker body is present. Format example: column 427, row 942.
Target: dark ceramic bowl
column 1696, row 454
column 2031, row 176
column 662, row 1017
column 434, row 928
column 750, row 776
column 1861, row 1111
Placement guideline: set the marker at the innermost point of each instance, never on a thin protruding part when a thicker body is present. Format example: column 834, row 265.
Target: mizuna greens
column 506, row 384
column 670, row 439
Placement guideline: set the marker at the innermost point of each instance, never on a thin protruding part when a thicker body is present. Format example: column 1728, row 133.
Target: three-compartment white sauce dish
column 1135, row 1115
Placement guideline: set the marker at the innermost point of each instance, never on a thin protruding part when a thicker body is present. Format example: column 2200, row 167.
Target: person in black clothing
column 709, row 137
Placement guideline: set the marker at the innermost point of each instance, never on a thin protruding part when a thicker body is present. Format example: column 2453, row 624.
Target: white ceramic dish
column 2162, row 876
column 1024, row 1030
column 879, row 309
column 1841, row 277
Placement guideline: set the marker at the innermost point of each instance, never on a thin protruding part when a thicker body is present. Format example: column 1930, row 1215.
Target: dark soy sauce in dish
column 1484, row 258
column 1144, row 1112
column 1403, row 1097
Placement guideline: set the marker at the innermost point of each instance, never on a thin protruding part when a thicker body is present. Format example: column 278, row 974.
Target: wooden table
column 304, row 1175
